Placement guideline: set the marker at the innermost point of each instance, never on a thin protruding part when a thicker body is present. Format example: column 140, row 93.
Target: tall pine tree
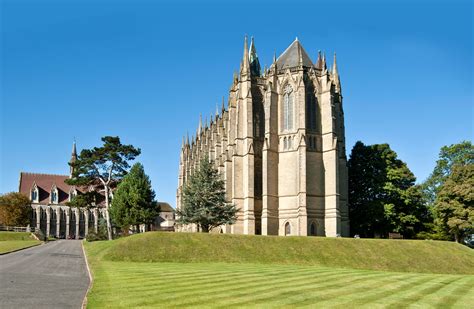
column 204, row 200
column 133, row 202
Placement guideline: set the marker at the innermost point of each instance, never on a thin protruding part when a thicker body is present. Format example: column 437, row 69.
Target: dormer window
column 54, row 195
column 34, row 194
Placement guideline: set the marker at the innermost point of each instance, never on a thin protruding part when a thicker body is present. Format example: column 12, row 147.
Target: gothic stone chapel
column 279, row 146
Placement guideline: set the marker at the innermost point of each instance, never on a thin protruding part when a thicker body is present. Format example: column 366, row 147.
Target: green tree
column 383, row 196
column 103, row 168
column 133, row 202
column 454, row 202
column 204, row 200
column 14, row 209
column 455, row 154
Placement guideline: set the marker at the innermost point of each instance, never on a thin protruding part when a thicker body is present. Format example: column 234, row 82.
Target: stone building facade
column 279, row 146
column 50, row 213
column 49, row 195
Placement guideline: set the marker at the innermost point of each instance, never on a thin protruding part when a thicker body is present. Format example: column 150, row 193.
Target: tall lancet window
column 54, row 195
column 34, row 194
column 288, row 99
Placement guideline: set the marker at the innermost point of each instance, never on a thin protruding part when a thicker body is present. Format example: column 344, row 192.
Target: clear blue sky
column 144, row 70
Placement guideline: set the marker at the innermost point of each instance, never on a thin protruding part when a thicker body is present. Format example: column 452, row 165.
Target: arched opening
column 287, row 229
column 312, row 229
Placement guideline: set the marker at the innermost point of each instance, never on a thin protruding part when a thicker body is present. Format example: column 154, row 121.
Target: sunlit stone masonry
column 280, row 147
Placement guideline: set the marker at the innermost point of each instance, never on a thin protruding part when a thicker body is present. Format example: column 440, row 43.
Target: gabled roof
column 291, row 56
column 45, row 183
column 165, row 207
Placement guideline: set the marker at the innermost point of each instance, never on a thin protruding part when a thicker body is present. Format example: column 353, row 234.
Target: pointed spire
column 187, row 138
column 324, row 66
column 223, row 107
column 253, row 59
column 73, row 158
column 274, row 57
column 334, row 66
column 235, row 79
column 200, row 125
column 335, row 75
column 319, row 62
column 245, row 60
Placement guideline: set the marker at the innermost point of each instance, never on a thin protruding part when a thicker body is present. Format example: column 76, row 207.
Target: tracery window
column 288, row 99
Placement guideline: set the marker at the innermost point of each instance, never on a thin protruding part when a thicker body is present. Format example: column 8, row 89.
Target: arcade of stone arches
column 64, row 221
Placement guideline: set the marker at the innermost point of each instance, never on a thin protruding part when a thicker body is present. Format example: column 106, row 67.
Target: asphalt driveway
column 53, row 275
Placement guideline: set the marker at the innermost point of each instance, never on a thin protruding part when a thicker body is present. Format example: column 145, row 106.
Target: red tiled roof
column 45, row 183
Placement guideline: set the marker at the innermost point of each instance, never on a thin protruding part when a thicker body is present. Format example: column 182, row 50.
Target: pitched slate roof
column 165, row 207
column 45, row 182
column 291, row 56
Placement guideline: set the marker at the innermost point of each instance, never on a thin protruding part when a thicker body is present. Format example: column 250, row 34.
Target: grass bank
column 221, row 285
column 175, row 270
column 12, row 241
column 371, row 254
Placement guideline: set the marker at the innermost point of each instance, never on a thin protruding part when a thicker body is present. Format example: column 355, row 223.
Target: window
column 54, row 195
column 287, row 229
column 288, row 99
column 34, row 194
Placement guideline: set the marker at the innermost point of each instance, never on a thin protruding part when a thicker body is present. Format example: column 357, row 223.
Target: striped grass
column 219, row 285
column 177, row 270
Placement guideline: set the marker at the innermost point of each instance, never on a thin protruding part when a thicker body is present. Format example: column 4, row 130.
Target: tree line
column 384, row 198
column 383, row 195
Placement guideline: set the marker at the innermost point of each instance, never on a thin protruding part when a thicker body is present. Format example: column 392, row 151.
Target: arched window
column 312, row 229
column 34, row 193
column 54, row 195
column 288, row 99
column 287, row 229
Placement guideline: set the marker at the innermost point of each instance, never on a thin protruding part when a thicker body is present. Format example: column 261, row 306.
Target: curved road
column 53, row 275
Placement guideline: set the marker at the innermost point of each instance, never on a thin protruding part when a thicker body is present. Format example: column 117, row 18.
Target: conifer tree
column 204, row 200
column 133, row 202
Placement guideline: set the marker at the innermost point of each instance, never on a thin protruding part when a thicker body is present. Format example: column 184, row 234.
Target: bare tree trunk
column 107, row 217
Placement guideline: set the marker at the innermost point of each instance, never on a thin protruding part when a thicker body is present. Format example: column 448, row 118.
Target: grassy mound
column 12, row 241
column 372, row 254
column 9, row 236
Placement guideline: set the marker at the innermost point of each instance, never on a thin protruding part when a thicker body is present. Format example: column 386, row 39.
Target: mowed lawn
column 132, row 284
column 188, row 270
column 12, row 241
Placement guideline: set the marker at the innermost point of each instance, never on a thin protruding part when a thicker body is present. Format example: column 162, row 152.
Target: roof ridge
column 29, row 173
